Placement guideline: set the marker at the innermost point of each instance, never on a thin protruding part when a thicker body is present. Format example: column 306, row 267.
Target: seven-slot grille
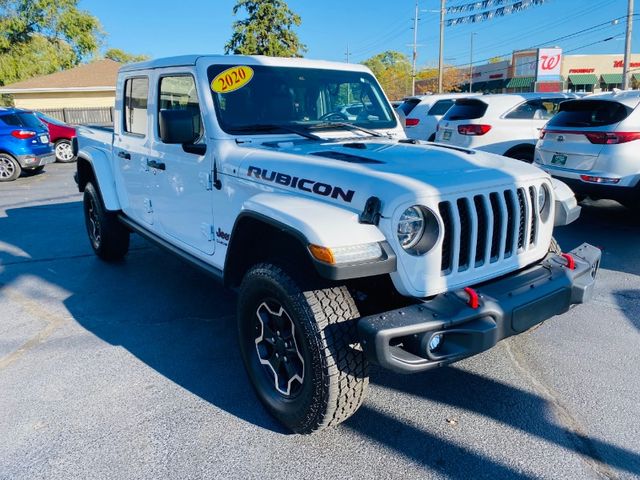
column 487, row 228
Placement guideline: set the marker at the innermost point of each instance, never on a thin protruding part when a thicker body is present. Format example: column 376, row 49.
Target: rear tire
column 64, row 152
column 10, row 169
column 108, row 237
column 522, row 155
column 297, row 345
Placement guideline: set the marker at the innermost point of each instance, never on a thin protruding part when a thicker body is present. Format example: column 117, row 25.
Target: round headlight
column 410, row 227
column 542, row 198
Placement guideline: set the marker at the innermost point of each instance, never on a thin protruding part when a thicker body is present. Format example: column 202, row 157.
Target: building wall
column 41, row 101
column 596, row 64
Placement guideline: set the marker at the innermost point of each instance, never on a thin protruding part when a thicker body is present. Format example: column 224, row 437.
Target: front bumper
column 399, row 339
column 32, row 161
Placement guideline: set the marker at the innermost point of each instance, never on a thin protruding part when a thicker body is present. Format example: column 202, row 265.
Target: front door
column 183, row 180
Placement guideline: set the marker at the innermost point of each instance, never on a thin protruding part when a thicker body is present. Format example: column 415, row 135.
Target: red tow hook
column 474, row 301
column 571, row 263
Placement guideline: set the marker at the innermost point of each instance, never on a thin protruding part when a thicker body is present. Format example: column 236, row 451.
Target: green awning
column 612, row 78
column 585, row 79
column 521, row 82
column 636, row 77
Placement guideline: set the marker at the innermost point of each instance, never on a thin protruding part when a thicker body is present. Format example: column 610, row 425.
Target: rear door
column 570, row 139
column 183, row 180
column 131, row 150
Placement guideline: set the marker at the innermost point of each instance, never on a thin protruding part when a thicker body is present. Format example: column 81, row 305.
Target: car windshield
column 22, row 119
column 260, row 99
column 589, row 113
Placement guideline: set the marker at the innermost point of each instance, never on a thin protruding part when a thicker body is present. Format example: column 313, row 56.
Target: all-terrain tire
column 334, row 377
column 108, row 237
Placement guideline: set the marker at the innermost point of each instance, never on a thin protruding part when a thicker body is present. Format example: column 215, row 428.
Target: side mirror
column 178, row 126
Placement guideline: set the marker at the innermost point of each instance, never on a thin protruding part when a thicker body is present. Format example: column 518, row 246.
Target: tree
column 38, row 37
column 121, row 56
column 427, row 80
column 393, row 71
column 267, row 30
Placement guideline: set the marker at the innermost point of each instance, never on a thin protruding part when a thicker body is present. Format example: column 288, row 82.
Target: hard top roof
column 191, row 60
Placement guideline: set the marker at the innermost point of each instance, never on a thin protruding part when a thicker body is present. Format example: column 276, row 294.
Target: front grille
column 488, row 228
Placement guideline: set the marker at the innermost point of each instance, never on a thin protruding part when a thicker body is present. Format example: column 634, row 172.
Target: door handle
column 125, row 155
column 155, row 164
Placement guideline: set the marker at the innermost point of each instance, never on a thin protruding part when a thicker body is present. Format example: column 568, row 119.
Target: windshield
column 300, row 98
column 22, row 119
column 589, row 113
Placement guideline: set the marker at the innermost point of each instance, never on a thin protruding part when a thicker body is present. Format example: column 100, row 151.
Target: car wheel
column 64, row 152
column 298, row 347
column 522, row 155
column 9, row 168
column 109, row 238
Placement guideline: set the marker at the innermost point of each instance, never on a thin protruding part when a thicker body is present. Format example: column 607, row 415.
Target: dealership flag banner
column 505, row 7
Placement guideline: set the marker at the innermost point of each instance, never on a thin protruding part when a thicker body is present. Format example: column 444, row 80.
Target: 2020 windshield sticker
column 232, row 79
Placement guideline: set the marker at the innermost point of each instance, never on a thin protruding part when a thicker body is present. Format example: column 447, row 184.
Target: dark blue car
column 24, row 144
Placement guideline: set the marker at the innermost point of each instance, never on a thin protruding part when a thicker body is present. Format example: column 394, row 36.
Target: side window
column 136, row 91
column 179, row 93
column 525, row 111
column 440, row 107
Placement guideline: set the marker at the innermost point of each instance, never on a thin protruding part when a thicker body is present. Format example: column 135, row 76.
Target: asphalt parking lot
column 132, row 371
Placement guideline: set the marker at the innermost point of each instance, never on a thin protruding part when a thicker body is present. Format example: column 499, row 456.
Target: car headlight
column 410, row 227
column 543, row 197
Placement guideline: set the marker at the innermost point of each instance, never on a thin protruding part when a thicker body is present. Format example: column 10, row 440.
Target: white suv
column 423, row 112
column 506, row 124
column 592, row 145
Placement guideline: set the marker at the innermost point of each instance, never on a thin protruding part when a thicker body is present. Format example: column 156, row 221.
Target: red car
column 61, row 135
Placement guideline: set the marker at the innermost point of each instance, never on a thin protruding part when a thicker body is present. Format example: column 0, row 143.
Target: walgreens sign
column 549, row 63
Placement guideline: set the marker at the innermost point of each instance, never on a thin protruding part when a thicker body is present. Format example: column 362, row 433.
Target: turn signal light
column 412, row 122
column 610, row 138
column 23, row 134
column 473, row 129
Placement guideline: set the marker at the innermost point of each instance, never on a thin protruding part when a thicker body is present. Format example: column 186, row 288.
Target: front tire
column 64, row 152
column 109, row 238
column 298, row 348
column 9, row 168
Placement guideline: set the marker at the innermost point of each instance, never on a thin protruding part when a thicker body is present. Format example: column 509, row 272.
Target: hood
column 350, row 172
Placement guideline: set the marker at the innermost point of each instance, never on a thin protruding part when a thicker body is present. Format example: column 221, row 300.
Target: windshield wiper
column 348, row 126
column 267, row 127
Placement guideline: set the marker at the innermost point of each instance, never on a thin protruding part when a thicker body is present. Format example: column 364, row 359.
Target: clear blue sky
column 168, row 27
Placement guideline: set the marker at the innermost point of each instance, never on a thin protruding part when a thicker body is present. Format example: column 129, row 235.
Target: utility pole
column 348, row 54
column 471, row 64
column 627, row 47
column 440, row 59
column 415, row 51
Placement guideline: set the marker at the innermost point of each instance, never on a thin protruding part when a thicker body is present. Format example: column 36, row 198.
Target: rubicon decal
column 304, row 184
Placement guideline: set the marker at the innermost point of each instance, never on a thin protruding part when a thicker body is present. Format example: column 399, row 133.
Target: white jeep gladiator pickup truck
column 348, row 243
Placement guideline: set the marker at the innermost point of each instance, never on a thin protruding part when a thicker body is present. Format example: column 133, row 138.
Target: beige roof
column 98, row 75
